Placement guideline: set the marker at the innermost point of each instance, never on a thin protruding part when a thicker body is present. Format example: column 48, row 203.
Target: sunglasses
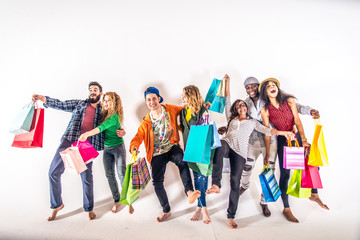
column 240, row 106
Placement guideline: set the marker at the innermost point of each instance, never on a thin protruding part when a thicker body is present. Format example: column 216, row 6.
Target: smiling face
column 252, row 90
column 241, row 108
column 272, row 90
column 94, row 94
column 107, row 103
column 152, row 101
column 184, row 100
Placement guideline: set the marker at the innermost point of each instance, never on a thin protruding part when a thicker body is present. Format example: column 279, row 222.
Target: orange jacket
column 145, row 131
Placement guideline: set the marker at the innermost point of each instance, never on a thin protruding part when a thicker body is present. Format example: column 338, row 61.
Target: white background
column 56, row 48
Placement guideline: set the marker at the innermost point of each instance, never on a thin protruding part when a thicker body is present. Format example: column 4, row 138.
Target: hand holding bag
column 33, row 138
column 87, row 151
column 140, row 173
column 128, row 194
column 269, row 185
column 216, row 96
column 293, row 156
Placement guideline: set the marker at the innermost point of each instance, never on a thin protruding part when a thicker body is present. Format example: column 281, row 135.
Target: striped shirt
column 239, row 132
column 77, row 108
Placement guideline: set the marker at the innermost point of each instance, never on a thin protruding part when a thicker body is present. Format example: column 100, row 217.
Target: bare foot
column 315, row 197
column 54, row 212
column 197, row 214
column 206, row 217
column 289, row 216
column 131, row 209
column 232, row 223
column 265, row 210
column 91, row 215
column 193, row 195
column 214, row 189
column 115, row 208
column 163, row 216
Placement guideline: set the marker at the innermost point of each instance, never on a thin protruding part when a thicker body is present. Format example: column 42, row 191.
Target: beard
column 94, row 100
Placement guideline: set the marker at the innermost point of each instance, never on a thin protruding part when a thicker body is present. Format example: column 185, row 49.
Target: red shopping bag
column 33, row 138
column 310, row 176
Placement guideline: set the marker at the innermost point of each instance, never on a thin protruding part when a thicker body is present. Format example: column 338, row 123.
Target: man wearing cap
column 256, row 141
column 159, row 131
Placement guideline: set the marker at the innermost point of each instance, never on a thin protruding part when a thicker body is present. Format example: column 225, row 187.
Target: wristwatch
column 304, row 139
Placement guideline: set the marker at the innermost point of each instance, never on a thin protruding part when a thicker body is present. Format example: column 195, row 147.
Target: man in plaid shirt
column 86, row 115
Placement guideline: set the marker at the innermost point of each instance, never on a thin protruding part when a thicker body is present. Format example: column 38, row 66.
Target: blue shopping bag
column 215, row 140
column 198, row 145
column 23, row 120
column 270, row 187
column 216, row 96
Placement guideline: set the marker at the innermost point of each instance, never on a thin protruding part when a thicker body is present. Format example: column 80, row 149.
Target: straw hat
column 268, row 80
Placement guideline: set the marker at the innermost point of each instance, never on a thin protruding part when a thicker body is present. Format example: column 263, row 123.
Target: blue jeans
column 115, row 156
column 201, row 184
column 57, row 169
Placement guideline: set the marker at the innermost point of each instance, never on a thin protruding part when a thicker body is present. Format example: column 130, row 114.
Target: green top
column 110, row 126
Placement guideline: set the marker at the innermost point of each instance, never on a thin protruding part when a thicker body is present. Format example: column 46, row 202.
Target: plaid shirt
column 77, row 108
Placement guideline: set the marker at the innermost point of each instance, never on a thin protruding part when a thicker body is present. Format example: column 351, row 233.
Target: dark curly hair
column 281, row 97
column 233, row 111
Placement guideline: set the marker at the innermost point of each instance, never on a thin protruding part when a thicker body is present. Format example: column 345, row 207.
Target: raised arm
column 67, row 106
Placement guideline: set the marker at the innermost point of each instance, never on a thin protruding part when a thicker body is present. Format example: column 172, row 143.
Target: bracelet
column 304, row 139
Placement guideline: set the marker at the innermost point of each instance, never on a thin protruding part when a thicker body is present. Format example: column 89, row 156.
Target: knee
column 248, row 167
column 235, row 183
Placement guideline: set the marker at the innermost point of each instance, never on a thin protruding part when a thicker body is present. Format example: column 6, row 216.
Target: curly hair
column 194, row 99
column 233, row 111
column 280, row 98
column 115, row 99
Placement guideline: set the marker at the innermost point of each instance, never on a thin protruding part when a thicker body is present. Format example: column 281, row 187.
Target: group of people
column 252, row 127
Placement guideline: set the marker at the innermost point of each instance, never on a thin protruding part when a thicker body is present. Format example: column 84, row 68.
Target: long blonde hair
column 194, row 99
column 117, row 107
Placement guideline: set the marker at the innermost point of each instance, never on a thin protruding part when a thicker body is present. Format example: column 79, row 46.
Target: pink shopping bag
column 87, row 151
column 310, row 176
column 293, row 156
column 73, row 160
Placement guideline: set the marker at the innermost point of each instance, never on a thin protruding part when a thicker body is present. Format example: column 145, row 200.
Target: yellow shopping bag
column 318, row 155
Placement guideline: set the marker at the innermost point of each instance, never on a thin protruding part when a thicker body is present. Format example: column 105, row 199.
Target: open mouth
column 273, row 91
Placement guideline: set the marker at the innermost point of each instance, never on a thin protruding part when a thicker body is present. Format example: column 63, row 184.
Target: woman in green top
column 114, row 151
column 191, row 114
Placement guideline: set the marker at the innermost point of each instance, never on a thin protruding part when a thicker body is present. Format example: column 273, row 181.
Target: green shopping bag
column 295, row 188
column 204, row 169
column 128, row 194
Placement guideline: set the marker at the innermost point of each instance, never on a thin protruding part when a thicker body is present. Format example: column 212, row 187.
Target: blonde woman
column 114, row 151
column 193, row 110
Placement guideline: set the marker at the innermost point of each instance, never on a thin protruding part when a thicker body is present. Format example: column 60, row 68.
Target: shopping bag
column 23, row 120
column 293, row 156
column 87, row 151
column 33, row 138
column 215, row 140
column 216, row 95
column 198, row 144
column 140, row 173
column 318, row 155
column 204, row 169
column 72, row 159
column 269, row 185
column 295, row 189
column 310, row 176
column 128, row 194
